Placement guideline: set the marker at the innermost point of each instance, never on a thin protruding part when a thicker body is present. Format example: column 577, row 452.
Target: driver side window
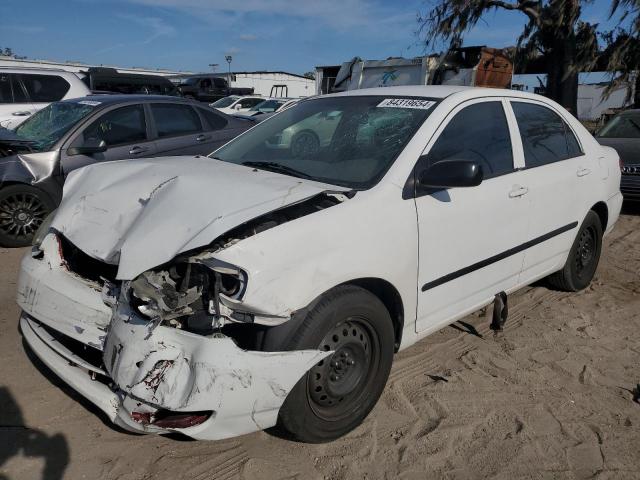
column 119, row 127
column 478, row 133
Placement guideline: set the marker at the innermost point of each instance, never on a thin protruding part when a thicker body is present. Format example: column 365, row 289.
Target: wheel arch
column 12, row 182
column 275, row 338
column 602, row 211
column 390, row 297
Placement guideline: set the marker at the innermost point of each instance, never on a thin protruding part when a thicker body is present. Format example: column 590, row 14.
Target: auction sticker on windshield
column 407, row 103
column 91, row 103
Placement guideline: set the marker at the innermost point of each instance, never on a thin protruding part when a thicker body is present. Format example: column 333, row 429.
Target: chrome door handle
column 137, row 150
column 518, row 191
column 202, row 138
column 583, row 171
column 23, row 113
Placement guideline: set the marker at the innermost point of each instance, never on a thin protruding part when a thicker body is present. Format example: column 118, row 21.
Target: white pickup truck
column 220, row 295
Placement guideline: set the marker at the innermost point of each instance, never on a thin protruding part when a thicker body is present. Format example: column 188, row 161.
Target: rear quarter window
column 45, row 88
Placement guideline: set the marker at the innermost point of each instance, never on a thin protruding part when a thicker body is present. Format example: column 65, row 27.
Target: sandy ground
column 550, row 397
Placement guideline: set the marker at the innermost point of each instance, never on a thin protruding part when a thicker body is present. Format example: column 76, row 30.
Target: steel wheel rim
column 21, row 214
column 586, row 251
column 336, row 384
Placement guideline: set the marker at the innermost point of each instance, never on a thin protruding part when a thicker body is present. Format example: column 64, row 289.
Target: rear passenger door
column 556, row 179
column 123, row 129
column 470, row 239
column 15, row 107
column 178, row 130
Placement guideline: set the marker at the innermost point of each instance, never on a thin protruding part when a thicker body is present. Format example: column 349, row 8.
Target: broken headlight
column 187, row 294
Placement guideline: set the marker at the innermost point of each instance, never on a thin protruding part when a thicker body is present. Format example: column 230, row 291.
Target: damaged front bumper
column 149, row 378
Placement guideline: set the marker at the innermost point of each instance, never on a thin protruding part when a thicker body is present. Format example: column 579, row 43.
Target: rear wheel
column 337, row 394
column 583, row 257
column 22, row 210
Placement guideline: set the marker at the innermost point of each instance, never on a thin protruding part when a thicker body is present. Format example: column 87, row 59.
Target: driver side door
column 468, row 237
column 124, row 130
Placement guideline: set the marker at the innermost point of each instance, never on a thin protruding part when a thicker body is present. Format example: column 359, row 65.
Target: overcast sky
column 290, row 35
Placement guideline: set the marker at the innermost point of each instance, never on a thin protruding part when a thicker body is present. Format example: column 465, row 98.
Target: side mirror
column 89, row 147
column 450, row 174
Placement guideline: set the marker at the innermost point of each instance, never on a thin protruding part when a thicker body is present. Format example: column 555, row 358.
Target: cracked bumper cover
column 146, row 368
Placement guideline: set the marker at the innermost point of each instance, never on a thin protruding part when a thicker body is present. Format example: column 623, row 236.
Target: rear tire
column 583, row 259
column 23, row 208
column 337, row 394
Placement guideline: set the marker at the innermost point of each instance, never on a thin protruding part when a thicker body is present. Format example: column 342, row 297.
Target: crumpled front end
column 146, row 373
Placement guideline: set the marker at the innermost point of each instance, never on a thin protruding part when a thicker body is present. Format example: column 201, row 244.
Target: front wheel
column 338, row 393
column 23, row 208
column 583, row 257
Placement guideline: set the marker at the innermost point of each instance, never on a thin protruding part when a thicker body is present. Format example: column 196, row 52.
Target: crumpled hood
column 142, row 213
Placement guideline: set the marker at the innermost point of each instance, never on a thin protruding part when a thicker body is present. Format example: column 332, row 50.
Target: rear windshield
column 349, row 141
column 48, row 125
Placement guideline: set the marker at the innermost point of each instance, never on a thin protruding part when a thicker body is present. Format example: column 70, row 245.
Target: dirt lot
column 550, row 397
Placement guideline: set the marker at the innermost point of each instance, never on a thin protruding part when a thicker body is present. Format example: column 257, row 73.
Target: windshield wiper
column 278, row 168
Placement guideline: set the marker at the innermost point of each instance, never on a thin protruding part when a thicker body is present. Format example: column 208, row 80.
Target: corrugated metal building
column 272, row 84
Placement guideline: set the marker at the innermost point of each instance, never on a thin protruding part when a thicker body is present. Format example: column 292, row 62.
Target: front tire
column 23, row 208
column 583, row 257
column 337, row 394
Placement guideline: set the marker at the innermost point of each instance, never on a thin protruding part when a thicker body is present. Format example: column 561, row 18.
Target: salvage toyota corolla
column 271, row 285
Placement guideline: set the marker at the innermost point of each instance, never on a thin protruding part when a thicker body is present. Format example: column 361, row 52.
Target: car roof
column 109, row 99
column 37, row 70
column 437, row 91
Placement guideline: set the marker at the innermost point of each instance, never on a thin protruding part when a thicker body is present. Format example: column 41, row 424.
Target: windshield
column 224, row 102
column 48, row 125
column 349, row 141
column 625, row 125
column 267, row 106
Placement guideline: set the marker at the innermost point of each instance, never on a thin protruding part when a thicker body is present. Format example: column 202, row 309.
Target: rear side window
column 120, row 126
column 477, row 133
column 45, row 88
column 219, row 82
column 5, row 89
column 174, row 119
column 546, row 138
column 215, row 121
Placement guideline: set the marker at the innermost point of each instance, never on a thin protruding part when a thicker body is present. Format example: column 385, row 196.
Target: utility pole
column 228, row 58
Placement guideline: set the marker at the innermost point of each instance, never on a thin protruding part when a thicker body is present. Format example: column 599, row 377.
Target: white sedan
column 234, row 104
column 219, row 296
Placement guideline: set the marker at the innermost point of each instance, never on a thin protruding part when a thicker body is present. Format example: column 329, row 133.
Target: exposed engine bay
column 197, row 292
